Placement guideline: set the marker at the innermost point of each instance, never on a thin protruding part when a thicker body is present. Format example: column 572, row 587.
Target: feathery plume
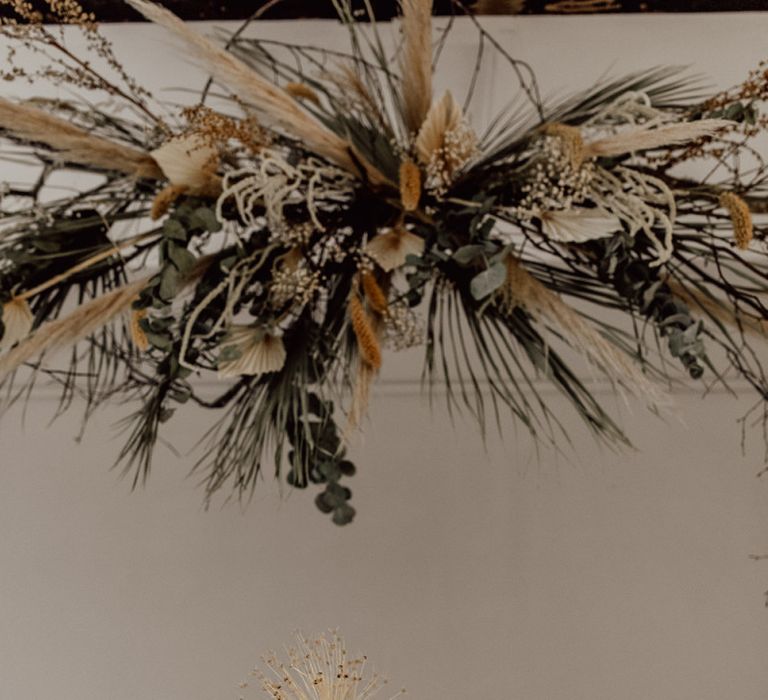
column 273, row 102
column 718, row 309
column 74, row 144
column 416, row 61
column 410, row 185
column 374, row 294
column 367, row 338
column 523, row 289
column 164, row 199
column 302, row 91
column 644, row 138
column 741, row 218
column 319, row 669
column 83, row 321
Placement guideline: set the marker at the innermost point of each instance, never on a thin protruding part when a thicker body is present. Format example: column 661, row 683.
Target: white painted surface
column 468, row 573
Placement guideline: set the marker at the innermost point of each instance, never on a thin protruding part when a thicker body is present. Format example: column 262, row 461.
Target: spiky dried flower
column 318, row 669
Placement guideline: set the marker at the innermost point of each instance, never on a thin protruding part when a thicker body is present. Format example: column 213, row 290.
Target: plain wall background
column 470, row 572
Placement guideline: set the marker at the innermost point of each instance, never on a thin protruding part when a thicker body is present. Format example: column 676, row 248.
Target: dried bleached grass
column 66, row 331
column 645, row 137
column 416, row 62
column 74, row 144
column 523, row 289
column 272, row 102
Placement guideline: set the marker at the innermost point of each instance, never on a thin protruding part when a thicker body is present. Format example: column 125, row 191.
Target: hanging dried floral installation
column 332, row 206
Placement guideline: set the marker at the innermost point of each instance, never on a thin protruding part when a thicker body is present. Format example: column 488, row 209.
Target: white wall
column 469, row 573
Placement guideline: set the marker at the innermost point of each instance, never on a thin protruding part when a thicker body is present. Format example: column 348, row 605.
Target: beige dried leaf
column 188, row 161
column 254, row 352
column 391, row 248
column 443, row 117
column 17, row 322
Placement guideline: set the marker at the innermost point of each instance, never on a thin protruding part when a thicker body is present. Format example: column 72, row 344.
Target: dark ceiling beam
column 118, row 11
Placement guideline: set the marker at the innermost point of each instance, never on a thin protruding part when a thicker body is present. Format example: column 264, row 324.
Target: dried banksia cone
column 302, row 91
column 374, row 294
column 138, row 336
column 741, row 218
column 570, row 137
column 410, row 185
column 367, row 339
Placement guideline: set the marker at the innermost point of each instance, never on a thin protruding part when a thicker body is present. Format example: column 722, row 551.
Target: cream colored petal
column 391, row 248
column 257, row 352
column 187, row 161
column 578, row 225
column 17, row 322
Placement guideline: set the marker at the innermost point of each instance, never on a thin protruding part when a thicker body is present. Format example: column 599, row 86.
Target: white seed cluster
column 459, row 145
column 553, row 184
column 332, row 247
column 296, row 285
column 293, row 234
column 402, row 327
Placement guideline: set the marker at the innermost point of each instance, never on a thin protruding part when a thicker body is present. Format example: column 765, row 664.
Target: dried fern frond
column 74, row 144
column 416, row 62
